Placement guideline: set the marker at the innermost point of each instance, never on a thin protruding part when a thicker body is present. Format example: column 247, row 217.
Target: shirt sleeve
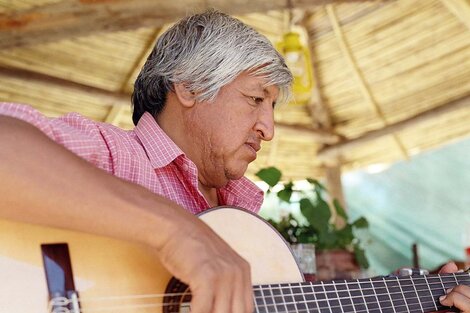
column 76, row 133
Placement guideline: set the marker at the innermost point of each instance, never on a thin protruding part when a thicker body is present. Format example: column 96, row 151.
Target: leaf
column 345, row 236
column 286, row 193
column 361, row 257
column 361, row 223
column 339, row 209
column 323, row 207
column 305, row 235
column 269, row 175
column 329, row 240
column 316, row 184
column 319, row 194
column 318, row 216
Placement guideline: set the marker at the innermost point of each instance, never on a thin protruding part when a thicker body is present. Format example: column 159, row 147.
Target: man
column 202, row 105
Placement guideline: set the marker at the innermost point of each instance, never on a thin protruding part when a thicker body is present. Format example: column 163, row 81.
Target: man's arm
column 42, row 182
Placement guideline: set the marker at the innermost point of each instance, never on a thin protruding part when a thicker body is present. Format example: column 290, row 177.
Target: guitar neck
column 409, row 294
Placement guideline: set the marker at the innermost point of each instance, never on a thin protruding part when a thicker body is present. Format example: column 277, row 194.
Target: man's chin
column 236, row 173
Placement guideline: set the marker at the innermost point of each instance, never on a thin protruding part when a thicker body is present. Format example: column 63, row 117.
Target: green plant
column 318, row 227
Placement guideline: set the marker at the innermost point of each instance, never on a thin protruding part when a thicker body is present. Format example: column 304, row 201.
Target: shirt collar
column 243, row 193
column 160, row 149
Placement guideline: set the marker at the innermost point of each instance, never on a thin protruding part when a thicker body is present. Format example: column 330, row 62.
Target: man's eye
column 257, row 100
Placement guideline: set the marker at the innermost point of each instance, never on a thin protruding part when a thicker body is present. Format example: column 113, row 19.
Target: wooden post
column 335, row 188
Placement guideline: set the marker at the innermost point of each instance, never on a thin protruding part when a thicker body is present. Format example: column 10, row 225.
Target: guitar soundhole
column 177, row 297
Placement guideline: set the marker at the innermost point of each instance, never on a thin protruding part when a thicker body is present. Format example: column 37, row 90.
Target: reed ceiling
column 393, row 77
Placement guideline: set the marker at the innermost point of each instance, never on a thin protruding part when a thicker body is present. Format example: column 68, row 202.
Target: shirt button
column 185, row 167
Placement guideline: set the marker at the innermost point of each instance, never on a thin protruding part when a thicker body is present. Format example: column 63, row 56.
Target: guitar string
column 317, row 301
column 303, row 285
column 261, row 306
column 267, row 306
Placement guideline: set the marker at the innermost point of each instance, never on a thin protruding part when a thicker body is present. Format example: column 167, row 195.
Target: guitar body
column 108, row 267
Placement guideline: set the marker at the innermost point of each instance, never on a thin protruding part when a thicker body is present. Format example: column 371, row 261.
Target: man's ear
column 184, row 95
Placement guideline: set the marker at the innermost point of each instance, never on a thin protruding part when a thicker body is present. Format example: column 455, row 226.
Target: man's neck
column 171, row 121
column 210, row 194
column 166, row 120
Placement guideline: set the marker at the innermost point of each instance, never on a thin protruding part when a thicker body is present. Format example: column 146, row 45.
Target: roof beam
column 128, row 83
column 73, row 18
column 114, row 115
column 116, row 99
column 321, row 118
column 427, row 116
column 106, row 97
column 318, row 135
column 318, row 110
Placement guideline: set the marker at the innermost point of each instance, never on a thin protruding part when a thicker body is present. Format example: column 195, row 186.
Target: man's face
column 228, row 131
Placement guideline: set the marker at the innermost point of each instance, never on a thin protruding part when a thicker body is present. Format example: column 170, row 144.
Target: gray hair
column 206, row 52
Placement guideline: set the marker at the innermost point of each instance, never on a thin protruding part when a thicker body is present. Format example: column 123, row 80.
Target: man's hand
column 458, row 296
column 219, row 279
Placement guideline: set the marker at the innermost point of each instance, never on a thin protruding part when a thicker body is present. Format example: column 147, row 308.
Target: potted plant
column 339, row 252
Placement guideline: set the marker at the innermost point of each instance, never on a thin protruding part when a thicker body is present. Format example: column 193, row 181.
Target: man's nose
column 265, row 124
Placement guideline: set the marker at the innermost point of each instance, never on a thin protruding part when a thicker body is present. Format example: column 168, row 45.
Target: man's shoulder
column 81, row 122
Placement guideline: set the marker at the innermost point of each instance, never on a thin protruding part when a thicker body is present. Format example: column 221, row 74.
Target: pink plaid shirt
column 144, row 155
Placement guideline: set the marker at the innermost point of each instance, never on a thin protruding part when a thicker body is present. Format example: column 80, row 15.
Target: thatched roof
column 393, row 77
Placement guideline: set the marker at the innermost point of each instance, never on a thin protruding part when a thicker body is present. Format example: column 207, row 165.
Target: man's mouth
column 255, row 146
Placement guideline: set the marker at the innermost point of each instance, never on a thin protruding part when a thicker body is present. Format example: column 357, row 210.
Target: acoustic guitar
column 114, row 276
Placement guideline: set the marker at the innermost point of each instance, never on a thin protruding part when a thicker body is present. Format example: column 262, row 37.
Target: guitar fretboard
column 412, row 294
